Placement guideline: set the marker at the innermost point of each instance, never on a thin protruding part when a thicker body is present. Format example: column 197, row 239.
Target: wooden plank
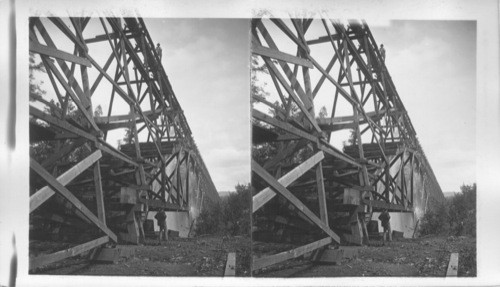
column 80, row 99
column 127, row 117
column 283, row 125
column 323, row 145
column 60, row 255
column 385, row 205
column 58, row 187
column 49, row 51
column 302, row 102
column 68, row 73
column 110, row 150
column 324, row 39
column 349, row 119
column 323, row 212
column 278, row 55
column 260, row 263
column 60, row 123
column 267, row 194
column 452, row 270
column 288, row 72
column 101, row 214
column 323, row 78
column 230, row 265
column 100, row 38
column 46, row 192
column 261, row 172
column 64, row 151
column 160, row 204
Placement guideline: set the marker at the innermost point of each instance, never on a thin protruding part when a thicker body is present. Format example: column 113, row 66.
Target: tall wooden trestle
column 103, row 191
column 327, row 192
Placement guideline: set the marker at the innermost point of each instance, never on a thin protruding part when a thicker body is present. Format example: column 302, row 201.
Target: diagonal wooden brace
column 46, row 192
column 59, row 188
column 261, row 172
column 267, row 194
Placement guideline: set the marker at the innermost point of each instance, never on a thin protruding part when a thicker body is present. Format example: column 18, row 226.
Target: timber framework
column 81, row 183
column 304, row 184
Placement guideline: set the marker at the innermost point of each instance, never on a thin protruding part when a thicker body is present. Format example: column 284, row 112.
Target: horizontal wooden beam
column 60, row 123
column 259, row 263
column 262, row 173
column 51, row 52
column 348, row 119
column 59, row 188
column 160, row 204
column 325, row 39
column 283, row 125
column 384, row 205
column 278, row 55
column 267, row 194
column 101, row 38
column 46, row 192
column 63, row 152
column 118, row 118
column 323, row 145
column 119, row 155
column 43, row 260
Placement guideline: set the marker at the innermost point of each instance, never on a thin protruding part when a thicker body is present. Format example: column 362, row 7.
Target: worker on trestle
column 158, row 51
column 382, row 52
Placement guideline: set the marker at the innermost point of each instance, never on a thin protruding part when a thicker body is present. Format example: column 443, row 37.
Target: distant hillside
column 446, row 194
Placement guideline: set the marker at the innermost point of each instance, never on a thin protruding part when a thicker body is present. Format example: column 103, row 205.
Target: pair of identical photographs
column 131, row 118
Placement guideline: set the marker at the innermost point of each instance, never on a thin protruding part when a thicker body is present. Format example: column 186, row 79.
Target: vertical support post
column 99, row 193
column 321, row 194
column 411, row 180
column 163, row 181
column 188, row 165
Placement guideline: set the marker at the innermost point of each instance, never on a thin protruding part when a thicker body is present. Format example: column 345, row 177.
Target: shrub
column 456, row 216
column 236, row 210
column 435, row 220
column 209, row 220
column 462, row 211
column 231, row 216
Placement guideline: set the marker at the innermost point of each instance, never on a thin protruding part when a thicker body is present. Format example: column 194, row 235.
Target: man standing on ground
column 161, row 217
column 385, row 218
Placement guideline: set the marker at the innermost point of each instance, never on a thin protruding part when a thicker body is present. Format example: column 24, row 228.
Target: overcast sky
column 206, row 61
column 432, row 63
column 433, row 66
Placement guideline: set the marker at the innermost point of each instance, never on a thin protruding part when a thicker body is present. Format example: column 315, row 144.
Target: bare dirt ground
column 201, row 256
column 426, row 256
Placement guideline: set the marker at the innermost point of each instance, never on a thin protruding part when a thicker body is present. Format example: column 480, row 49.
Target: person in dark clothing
column 161, row 217
column 385, row 219
column 382, row 52
column 158, row 50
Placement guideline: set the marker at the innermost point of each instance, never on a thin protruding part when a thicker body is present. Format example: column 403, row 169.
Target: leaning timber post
column 358, row 218
column 139, row 208
column 319, row 168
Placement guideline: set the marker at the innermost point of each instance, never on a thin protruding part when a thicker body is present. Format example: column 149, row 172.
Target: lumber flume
column 106, row 78
column 310, row 191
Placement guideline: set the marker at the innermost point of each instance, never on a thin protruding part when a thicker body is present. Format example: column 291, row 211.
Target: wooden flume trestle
column 82, row 185
column 326, row 190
